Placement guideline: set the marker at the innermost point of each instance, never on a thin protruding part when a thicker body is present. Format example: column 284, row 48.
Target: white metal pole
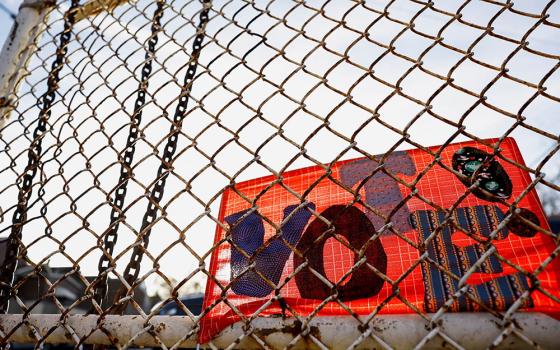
column 18, row 49
column 470, row 330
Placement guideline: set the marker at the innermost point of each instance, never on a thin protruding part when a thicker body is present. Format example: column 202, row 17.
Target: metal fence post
column 18, row 49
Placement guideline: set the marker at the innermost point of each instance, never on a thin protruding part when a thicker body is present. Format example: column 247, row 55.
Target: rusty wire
column 262, row 65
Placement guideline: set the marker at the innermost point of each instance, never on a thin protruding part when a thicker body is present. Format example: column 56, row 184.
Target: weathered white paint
column 469, row 330
column 18, row 49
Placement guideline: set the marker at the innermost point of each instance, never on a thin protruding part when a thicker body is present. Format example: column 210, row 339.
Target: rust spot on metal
column 362, row 328
column 293, row 329
column 12, row 36
column 314, row 330
column 113, row 339
column 160, row 327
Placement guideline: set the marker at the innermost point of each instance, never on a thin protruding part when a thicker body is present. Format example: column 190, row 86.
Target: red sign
column 370, row 265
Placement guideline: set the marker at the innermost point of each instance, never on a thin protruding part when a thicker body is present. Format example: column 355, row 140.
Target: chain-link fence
column 147, row 150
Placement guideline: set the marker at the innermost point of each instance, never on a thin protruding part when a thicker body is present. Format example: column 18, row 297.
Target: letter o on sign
column 353, row 224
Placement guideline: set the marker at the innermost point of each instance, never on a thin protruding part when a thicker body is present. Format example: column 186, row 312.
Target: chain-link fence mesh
column 131, row 124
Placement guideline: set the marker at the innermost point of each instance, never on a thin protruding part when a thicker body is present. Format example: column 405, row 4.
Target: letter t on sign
column 382, row 192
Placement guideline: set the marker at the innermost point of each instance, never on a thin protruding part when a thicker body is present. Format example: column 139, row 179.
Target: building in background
column 68, row 288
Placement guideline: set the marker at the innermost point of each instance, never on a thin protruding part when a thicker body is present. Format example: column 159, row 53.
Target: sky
column 100, row 79
column 5, row 18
